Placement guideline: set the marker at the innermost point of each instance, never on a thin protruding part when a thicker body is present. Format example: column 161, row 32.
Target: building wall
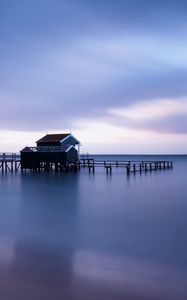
column 39, row 144
column 69, row 141
column 31, row 160
column 72, row 155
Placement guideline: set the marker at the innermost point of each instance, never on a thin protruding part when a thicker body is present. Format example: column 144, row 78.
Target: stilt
column 108, row 169
column 128, row 169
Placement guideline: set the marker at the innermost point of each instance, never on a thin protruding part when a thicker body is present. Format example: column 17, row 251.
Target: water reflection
column 46, row 237
column 118, row 277
column 40, row 268
column 93, row 236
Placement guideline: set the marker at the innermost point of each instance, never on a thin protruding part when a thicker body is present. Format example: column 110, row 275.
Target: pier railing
column 47, row 148
column 7, row 156
column 9, row 161
column 129, row 166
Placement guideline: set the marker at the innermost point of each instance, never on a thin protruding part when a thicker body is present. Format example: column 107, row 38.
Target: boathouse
column 58, row 149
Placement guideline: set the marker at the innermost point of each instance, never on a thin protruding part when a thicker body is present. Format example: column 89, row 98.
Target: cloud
column 57, row 85
column 151, row 110
column 161, row 115
column 83, row 60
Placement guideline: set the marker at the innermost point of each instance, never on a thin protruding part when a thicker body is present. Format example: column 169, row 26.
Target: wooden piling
column 128, row 169
column 91, row 168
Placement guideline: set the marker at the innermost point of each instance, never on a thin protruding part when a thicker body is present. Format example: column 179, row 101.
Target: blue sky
column 113, row 72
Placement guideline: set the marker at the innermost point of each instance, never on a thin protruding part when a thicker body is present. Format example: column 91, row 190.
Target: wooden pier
column 9, row 162
column 128, row 166
column 12, row 162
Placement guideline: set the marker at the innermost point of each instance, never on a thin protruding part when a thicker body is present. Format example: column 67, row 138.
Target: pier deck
column 9, row 162
column 12, row 162
column 129, row 166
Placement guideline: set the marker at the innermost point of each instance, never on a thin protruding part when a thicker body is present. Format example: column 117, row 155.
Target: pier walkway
column 12, row 162
column 9, row 162
column 129, row 166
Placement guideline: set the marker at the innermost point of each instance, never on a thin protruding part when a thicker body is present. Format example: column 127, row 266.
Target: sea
column 95, row 236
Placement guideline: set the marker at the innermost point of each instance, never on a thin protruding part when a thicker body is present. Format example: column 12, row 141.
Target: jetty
column 61, row 151
column 131, row 166
column 11, row 162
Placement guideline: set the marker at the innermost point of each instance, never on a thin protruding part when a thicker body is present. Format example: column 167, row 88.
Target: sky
column 111, row 72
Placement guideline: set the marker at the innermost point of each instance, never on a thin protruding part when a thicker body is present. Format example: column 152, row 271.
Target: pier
column 11, row 162
column 128, row 166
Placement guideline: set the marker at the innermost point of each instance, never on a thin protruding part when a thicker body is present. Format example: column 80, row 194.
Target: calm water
column 95, row 236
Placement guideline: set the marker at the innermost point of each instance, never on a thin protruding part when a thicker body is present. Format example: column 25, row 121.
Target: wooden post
column 91, row 168
column 12, row 167
column 56, row 167
column 3, row 162
column 75, row 168
column 110, row 169
column 128, row 169
column 11, row 163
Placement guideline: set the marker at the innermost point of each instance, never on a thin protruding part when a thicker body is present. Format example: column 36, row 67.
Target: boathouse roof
column 57, row 138
column 53, row 137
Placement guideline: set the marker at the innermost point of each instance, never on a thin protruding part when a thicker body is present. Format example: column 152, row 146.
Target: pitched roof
column 64, row 148
column 53, row 138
